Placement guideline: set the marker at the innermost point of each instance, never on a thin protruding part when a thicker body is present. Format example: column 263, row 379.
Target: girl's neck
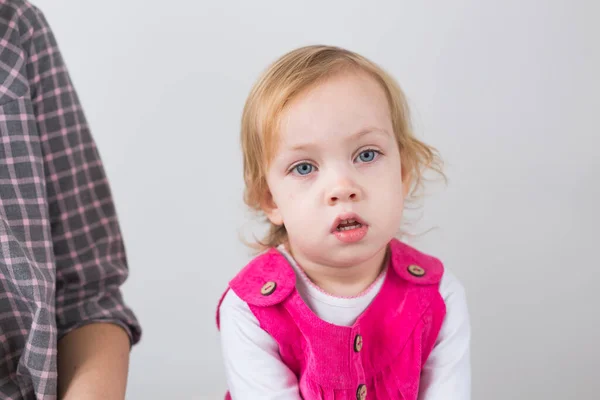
column 348, row 281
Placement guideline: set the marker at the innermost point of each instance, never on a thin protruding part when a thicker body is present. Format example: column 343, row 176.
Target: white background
column 508, row 91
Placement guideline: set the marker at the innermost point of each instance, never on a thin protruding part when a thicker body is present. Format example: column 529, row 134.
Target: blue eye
column 303, row 169
column 367, row 155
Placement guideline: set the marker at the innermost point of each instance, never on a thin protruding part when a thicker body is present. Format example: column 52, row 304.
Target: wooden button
column 268, row 288
column 415, row 270
column 361, row 392
column 358, row 343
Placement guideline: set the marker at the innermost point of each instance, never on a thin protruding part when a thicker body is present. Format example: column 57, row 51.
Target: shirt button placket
column 357, row 346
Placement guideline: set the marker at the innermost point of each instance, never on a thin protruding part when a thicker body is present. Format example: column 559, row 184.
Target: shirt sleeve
column 89, row 253
column 446, row 374
column 253, row 367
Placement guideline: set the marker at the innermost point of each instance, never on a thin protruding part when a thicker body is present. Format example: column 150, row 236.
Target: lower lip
column 351, row 235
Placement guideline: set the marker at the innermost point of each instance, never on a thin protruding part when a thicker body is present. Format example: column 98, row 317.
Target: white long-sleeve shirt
column 254, row 369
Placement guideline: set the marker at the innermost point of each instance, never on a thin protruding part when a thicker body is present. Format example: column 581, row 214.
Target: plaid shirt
column 62, row 258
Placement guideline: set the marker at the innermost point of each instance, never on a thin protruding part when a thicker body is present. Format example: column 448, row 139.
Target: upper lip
column 345, row 216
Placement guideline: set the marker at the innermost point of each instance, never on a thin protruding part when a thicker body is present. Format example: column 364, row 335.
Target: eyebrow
column 366, row 131
column 356, row 135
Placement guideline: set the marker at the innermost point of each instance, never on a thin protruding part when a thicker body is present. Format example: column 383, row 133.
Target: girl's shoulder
column 415, row 266
column 419, row 267
column 265, row 280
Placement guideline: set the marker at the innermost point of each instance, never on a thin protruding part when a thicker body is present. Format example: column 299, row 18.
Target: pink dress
column 380, row 356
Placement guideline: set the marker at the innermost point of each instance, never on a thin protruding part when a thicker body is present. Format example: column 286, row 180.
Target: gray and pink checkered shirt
column 62, row 258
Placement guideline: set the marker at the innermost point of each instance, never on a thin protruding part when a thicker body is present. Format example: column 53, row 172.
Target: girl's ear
column 271, row 210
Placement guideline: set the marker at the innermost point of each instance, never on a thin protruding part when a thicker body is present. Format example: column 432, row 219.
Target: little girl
column 335, row 306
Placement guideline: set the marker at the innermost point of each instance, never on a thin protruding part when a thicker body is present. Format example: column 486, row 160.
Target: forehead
column 334, row 109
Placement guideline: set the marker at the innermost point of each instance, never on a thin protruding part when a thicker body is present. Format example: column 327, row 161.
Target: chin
column 355, row 253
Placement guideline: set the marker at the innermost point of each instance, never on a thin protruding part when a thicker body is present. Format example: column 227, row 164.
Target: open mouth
column 348, row 224
column 349, row 228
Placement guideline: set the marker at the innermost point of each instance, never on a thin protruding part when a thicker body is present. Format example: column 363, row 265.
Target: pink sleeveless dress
column 380, row 356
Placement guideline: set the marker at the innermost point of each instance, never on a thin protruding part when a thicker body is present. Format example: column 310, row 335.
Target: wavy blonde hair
column 291, row 75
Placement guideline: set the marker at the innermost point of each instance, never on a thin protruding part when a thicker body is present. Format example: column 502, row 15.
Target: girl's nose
column 343, row 191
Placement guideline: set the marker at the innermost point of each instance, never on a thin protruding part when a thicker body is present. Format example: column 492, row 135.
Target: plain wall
column 507, row 91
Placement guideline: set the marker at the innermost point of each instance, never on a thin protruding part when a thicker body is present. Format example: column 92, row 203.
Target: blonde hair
column 292, row 74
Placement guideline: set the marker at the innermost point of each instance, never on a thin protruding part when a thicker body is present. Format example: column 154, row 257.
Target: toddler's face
column 335, row 180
